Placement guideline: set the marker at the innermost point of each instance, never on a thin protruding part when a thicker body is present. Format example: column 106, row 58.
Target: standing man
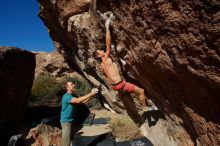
column 111, row 71
column 69, row 128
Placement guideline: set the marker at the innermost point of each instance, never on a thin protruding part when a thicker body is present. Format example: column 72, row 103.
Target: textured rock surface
column 16, row 78
column 171, row 49
column 42, row 135
column 52, row 63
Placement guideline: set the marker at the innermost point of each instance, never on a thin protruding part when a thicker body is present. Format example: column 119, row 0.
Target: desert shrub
column 123, row 128
column 46, row 88
column 43, row 85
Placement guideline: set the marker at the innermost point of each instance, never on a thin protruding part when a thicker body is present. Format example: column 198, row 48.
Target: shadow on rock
column 153, row 117
column 97, row 140
column 143, row 141
column 43, row 114
column 100, row 121
column 106, row 139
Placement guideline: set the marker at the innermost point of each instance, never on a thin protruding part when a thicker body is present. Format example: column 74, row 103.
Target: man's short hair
column 67, row 84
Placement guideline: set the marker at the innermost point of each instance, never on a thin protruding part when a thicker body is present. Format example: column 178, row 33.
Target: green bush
column 43, row 85
column 46, row 89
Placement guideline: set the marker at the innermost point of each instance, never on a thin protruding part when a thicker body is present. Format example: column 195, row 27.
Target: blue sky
column 21, row 27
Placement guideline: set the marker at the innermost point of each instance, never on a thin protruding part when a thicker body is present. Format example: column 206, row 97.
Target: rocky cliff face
column 170, row 47
column 52, row 63
column 42, row 134
column 16, row 78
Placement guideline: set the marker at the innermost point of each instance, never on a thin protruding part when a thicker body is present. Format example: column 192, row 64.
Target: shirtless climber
column 112, row 73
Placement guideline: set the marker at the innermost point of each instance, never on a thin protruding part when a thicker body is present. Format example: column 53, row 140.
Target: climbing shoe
column 145, row 109
column 151, row 108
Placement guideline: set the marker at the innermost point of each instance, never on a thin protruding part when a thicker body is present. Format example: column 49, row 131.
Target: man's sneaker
column 154, row 107
column 151, row 108
column 150, row 103
column 145, row 109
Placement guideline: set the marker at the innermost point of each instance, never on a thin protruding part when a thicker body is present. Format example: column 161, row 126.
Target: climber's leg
column 131, row 88
column 142, row 97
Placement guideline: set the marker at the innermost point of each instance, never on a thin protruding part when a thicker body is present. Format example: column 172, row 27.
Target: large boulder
column 52, row 63
column 171, row 49
column 41, row 135
column 16, row 77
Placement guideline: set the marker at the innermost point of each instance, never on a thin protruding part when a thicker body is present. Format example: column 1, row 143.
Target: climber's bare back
column 111, row 71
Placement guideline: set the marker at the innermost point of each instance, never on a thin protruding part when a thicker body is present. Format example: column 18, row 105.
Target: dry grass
column 123, row 128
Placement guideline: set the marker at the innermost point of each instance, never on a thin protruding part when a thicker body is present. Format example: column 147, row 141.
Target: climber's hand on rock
column 107, row 23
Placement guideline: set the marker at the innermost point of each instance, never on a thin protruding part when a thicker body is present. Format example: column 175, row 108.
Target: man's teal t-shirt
column 67, row 112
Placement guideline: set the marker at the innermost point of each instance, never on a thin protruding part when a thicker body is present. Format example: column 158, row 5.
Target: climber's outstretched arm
column 108, row 39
